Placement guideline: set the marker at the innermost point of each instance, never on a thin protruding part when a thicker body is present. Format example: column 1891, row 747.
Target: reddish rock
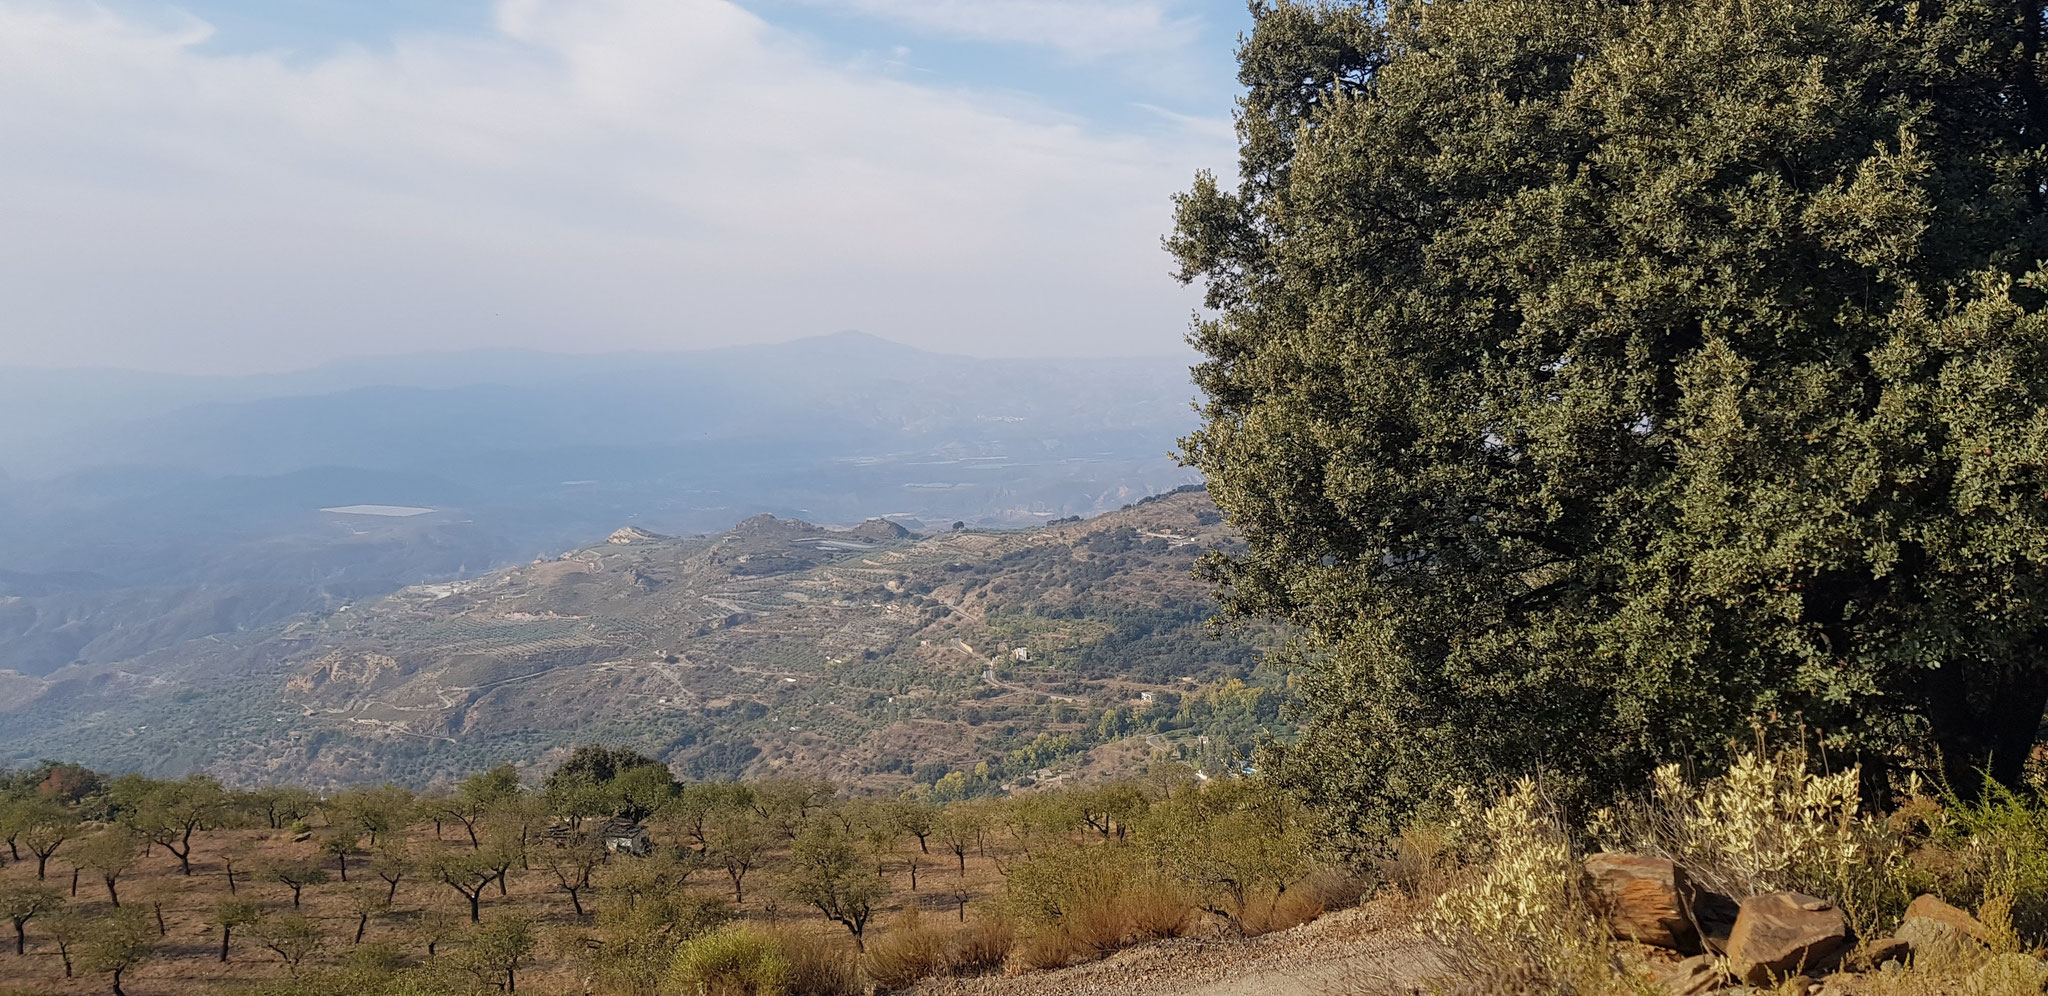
column 1874, row 954
column 1929, row 908
column 1695, row 976
column 1782, row 933
column 1641, row 899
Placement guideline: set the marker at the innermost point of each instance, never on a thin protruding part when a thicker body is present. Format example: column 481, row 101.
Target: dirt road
column 1374, row 947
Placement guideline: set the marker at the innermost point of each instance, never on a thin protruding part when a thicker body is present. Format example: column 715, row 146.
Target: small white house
column 1021, row 654
column 623, row 836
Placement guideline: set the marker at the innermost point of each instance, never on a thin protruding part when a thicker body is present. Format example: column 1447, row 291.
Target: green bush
column 734, row 961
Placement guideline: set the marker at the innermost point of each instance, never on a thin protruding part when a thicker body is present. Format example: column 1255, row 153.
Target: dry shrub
column 818, row 966
column 1087, row 902
column 1521, row 927
column 1770, row 824
column 1421, row 861
column 1337, row 887
column 1272, row 912
column 914, row 950
column 1322, row 891
column 732, row 961
column 909, row 951
column 1051, row 947
column 1997, row 975
column 1151, row 909
column 982, row 946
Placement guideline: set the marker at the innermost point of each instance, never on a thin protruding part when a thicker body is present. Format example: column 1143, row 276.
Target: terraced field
column 871, row 656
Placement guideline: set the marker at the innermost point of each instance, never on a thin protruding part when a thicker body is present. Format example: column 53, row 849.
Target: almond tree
column 291, row 936
column 572, row 866
column 373, row 811
column 111, row 853
column 296, row 875
column 469, row 874
column 826, row 872
column 338, row 846
column 959, row 827
column 917, row 819
column 230, row 914
column 173, row 811
column 117, row 943
column 476, row 797
column 392, row 861
column 500, row 947
column 366, row 902
column 736, row 841
column 45, row 828
column 21, row 904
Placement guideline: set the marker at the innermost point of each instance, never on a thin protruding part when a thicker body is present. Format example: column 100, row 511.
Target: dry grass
column 1121, row 910
column 909, row 951
column 1273, row 912
column 915, row 949
column 818, row 965
column 983, row 946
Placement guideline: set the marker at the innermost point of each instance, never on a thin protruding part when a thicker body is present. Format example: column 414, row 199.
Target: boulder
column 1930, row 908
column 1782, row 933
column 1938, row 942
column 1941, row 934
column 1695, row 976
column 1874, row 955
column 1641, row 899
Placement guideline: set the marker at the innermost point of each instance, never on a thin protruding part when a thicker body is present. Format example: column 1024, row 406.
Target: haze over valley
column 139, row 511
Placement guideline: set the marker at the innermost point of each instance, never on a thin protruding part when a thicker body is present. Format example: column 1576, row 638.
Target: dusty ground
column 1371, row 949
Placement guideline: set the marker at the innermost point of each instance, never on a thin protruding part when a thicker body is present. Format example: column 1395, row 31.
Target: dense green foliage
column 1596, row 382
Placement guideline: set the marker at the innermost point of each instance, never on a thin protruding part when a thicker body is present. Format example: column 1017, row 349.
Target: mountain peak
column 851, row 341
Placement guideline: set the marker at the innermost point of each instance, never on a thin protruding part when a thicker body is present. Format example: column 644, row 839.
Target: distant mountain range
column 138, row 510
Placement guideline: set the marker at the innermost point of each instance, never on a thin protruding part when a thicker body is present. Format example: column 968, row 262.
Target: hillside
column 139, row 511
column 872, row 656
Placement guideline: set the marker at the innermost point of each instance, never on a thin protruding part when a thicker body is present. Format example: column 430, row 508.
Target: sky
column 235, row 186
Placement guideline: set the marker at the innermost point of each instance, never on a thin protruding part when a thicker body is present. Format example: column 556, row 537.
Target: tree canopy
column 1599, row 382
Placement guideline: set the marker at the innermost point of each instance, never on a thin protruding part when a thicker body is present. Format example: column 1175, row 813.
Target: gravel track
column 1374, row 947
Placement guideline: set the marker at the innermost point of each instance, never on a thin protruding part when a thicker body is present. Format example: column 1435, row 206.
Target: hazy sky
column 235, row 185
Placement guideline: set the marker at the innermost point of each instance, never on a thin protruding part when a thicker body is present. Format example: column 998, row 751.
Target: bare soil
column 1373, row 948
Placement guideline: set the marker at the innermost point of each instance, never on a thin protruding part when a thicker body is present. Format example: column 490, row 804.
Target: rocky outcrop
column 1641, row 899
column 1940, row 933
column 879, row 531
column 1927, row 907
column 1786, row 941
column 634, row 534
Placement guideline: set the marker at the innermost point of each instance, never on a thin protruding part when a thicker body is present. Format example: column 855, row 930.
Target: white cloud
column 1081, row 28
column 592, row 174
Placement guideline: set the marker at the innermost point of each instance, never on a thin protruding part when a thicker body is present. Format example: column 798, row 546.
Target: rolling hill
column 871, row 655
column 139, row 510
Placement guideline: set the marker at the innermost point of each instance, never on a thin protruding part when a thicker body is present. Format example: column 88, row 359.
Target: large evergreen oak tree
column 1598, row 382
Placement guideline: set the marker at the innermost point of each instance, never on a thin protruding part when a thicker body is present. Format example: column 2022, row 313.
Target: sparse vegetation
column 781, row 885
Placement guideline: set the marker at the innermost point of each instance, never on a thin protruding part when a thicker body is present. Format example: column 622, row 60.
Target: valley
column 965, row 661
